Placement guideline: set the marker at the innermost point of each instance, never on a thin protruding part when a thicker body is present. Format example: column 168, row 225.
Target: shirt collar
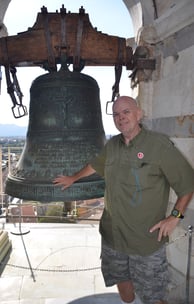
column 139, row 138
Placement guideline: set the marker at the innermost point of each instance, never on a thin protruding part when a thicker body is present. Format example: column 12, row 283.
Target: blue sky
column 110, row 17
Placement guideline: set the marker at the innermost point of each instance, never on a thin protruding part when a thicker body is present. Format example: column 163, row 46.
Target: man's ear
column 140, row 114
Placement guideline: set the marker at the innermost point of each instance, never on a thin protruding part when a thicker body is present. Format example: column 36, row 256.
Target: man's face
column 126, row 116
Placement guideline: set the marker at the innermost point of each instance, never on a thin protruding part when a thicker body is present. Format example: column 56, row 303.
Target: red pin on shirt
column 140, row 155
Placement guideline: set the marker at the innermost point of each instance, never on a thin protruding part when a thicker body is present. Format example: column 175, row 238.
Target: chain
column 78, row 269
column 51, row 270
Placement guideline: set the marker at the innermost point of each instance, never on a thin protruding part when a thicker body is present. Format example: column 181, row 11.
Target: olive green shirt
column 138, row 178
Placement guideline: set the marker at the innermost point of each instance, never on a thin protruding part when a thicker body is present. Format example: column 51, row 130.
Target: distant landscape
column 7, row 130
column 11, row 130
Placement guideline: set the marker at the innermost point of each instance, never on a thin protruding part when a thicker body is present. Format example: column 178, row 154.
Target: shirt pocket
column 140, row 174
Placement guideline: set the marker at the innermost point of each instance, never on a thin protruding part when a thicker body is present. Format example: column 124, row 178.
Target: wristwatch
column 177, row 213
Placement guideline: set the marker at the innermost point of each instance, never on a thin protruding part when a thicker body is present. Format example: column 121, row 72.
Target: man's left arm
column 167, row 225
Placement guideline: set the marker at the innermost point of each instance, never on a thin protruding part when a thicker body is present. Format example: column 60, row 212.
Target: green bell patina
column 65, row 131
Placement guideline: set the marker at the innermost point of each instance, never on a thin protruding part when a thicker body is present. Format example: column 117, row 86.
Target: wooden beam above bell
column 64, row 33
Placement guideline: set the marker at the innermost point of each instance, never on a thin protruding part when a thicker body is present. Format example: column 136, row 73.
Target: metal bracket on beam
column 142, row 62
column 147, row 64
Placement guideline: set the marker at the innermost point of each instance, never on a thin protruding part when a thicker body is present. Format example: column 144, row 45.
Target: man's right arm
column 67, row 181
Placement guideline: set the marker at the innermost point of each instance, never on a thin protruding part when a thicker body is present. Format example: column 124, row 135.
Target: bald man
column 139, row 167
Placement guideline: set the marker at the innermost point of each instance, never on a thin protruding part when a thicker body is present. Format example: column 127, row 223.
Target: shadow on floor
column 112, row 298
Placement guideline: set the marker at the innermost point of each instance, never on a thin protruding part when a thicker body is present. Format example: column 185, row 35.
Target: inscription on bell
column 65, row 131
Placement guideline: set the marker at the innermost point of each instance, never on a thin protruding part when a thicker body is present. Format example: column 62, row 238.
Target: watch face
column 175, row 213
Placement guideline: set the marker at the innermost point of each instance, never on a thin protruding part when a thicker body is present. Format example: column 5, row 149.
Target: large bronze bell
column 65, row 131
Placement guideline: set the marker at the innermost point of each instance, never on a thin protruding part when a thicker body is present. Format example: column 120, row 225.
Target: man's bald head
column 126, row 99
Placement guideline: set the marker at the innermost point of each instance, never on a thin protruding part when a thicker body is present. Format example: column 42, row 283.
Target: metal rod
column 190, row 230
column 29, row 263
column 21, row 233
